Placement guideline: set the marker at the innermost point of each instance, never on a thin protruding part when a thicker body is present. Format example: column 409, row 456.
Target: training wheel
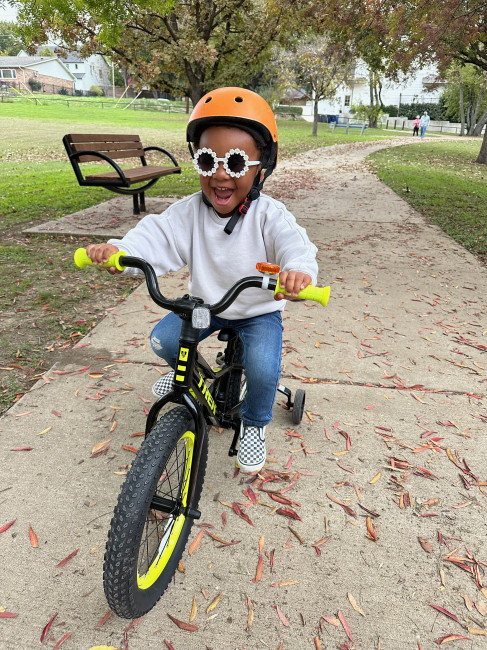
column 298, row 406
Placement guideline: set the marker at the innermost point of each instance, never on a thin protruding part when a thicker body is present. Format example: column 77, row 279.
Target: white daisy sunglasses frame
column 247, row 163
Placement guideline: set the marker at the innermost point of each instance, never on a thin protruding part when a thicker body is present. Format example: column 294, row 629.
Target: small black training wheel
column 298, row 406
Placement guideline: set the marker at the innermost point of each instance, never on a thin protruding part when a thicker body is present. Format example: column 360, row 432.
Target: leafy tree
column 411, row 33
column 318, row 67
column 10, row 42
column 465, row 97
column 185, row 47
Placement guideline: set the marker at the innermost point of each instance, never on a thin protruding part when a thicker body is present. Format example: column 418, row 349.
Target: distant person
column 425, row 120
column 416, row 124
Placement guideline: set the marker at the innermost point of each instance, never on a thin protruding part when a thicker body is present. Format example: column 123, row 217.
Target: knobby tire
column 144, row 545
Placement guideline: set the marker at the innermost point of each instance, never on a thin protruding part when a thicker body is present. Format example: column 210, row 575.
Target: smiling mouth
column 222, row 195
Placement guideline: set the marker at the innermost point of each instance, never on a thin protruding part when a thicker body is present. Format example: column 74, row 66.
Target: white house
column 93, row 71
column 423, row 86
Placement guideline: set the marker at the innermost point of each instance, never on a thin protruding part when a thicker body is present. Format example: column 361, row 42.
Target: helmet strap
column 253, row 195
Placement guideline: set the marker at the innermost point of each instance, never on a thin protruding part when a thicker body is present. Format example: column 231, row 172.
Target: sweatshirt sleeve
column 155, row 240
column 287, row 243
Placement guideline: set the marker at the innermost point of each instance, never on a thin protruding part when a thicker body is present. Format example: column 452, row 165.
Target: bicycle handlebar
column 183, row 306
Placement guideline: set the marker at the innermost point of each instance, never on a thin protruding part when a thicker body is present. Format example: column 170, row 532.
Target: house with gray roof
column 19, row 72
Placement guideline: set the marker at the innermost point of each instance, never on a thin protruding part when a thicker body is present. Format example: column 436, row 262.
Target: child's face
column 225, row 192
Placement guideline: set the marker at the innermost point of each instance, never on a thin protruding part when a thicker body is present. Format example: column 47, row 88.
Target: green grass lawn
column 443, row 182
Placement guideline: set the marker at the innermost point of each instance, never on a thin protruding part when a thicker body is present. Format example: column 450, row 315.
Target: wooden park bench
column 83, row 148
column 336, row 125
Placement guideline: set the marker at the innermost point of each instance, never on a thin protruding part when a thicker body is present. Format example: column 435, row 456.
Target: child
column 221, row 233
column 416, row 126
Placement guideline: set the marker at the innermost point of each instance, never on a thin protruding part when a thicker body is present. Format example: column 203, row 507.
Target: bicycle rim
column 162, row 531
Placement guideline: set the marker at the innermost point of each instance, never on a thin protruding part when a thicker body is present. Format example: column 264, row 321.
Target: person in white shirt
column 425, row 120
column 220, row 233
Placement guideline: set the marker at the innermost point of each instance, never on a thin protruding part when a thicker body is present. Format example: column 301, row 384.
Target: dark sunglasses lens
column 236, row 163
column 205, row 161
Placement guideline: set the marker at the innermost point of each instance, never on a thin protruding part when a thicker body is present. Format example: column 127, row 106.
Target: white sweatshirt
column 191, row 233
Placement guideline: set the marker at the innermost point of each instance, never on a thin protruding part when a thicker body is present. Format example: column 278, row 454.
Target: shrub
column 34, row 84
column 96, row 91
column 63, row 91
column 289, row 110
column 435, row 111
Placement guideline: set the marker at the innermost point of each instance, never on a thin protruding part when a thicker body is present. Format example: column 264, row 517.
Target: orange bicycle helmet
column 232, row 106
column 238, row 107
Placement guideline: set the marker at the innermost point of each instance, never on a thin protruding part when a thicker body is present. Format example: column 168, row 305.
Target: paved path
column 395, row 374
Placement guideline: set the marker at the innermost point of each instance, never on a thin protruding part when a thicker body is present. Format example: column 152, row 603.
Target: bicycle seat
column 226, row 333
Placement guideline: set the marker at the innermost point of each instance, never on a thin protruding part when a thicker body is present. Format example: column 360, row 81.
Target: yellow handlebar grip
column 318, row 294
column 81, row 260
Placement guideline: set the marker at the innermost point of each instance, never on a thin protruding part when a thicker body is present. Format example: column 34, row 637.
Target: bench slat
column 100, row 137
column 110, row 149
column 137, row 174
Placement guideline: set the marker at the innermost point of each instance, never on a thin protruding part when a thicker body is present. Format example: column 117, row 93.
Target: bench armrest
column 98, row 154
column 173, row 159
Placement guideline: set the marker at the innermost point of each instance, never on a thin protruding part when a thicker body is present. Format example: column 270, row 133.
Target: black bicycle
column 159, row 498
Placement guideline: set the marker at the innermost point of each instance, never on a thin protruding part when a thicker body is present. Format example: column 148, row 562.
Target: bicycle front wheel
column 149, row 529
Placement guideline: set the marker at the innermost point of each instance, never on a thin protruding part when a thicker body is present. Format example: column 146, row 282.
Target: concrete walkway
column 395, row 375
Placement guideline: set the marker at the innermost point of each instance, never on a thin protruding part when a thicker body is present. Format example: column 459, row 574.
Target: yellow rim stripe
column 159, row 564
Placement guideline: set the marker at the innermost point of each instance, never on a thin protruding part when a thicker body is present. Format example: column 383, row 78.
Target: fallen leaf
column 481, row 607
column 188, row 627
column 468, row 602
column 7, row 526
column 238, row 510
column 196, row 542
column 194, row 610
column 259, row 569
column 62, row 640
column 214, row 602
column 100, row 445
column 478, row 631
column 47, row 627
column 105, row 618
column 426, row 545
column 282, row 618
column 451, row 637
column 331, row 621
column 69, row 557
column 288, row 512
column 375, row 478
column 371, row 534
column 34, row 542
column 445, row 612
column 284, row 583
column 346, row 626
column 354, row 604
column 347, row 509
column 8, row 615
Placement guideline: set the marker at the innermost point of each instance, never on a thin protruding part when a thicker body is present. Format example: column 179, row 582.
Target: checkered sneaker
column 251, row 449
column 163, row 385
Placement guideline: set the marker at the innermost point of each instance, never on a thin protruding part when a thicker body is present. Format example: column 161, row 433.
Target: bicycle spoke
column 157, row 528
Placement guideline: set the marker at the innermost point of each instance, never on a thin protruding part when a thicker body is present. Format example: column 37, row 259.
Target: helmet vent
column 208, row 100
column 238, row 99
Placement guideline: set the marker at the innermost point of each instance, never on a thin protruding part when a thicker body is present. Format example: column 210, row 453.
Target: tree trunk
column 482, row 157
column 480, row 124
column 475, row 117
column 372, row 117
column 462, row 109
column 315, row 117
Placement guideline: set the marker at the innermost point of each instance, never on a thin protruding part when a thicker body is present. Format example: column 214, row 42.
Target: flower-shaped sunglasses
column 236, row 162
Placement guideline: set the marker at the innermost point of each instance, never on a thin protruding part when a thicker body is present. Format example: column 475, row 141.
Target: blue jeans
column 423, row 131
column 261, row 337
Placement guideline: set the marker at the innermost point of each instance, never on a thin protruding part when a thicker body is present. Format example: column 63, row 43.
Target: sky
column 8, row 13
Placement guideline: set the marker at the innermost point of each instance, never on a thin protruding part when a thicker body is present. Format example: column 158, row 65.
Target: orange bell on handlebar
column 268, row 269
